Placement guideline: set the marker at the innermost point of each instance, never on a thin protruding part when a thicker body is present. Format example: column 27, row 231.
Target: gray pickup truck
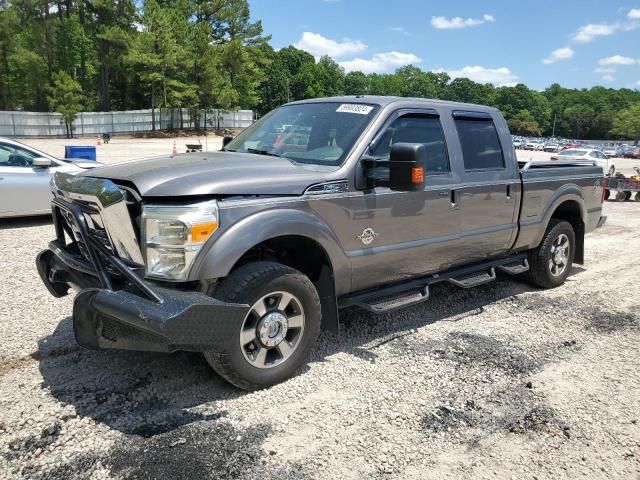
column 246, row 254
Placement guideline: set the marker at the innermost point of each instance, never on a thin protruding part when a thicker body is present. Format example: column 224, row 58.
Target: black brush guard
column 116, row 307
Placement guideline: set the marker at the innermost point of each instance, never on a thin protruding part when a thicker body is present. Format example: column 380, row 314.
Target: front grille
column 95, row 228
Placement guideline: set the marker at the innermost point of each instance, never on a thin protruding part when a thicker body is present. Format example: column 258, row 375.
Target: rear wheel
column 627, row 195
column 607, row 194
column 621, row 196
column 551, row 262
column 278, row 332
column 637, row 196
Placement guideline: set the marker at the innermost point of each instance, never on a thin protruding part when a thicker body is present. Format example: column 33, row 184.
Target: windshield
column 319, row 133
column 573, row 153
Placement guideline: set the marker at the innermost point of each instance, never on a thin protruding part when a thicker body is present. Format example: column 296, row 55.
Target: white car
column 587, row 155
column 551, row 147
column 25, row 174
column 534, row 145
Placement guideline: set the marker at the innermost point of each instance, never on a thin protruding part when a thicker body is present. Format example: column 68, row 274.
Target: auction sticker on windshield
column 354, row 108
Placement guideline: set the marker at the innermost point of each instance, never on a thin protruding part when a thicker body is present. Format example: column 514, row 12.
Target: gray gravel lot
column 504, row 381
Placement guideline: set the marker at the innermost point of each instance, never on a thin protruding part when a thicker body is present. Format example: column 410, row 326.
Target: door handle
column 443, row 194
column 453, row 198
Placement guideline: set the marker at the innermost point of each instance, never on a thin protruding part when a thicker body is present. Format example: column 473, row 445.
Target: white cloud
column 608, row 77
column 605, row 70
column 381, row 62
column 401, row 30
column 501, row 77
column 587, row 33
column 317, row 45
column 618, row 60
column 444, row 23
column 634, row 14
column 559, row 54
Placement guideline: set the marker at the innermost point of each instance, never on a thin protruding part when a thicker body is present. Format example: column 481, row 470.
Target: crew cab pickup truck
column 247, row 253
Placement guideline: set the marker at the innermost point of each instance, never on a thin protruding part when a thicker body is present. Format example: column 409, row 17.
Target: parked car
column 534, row 145
column 588, row 155
column 518, row 144
column 246, row 255
column 612, row 152
column 25, row 174
column 551, row 147
column 632, row 153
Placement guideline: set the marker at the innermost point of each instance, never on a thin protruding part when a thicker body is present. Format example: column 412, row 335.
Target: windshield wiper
column 263, row 152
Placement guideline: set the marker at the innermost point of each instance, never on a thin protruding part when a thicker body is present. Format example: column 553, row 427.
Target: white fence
column 42, row 124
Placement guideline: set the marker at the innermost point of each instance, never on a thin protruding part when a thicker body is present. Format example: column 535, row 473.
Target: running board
column 391, row 297
column 474, row 279
column 515, row 268
column 390, row 303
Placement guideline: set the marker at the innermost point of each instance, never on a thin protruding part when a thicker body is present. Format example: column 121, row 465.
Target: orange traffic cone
column 99, row 142
column 175, row 150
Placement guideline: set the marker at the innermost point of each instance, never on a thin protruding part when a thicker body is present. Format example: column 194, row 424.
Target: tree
column 524, row 124
column 580, row 116
column 626, row 124
column 66, row 98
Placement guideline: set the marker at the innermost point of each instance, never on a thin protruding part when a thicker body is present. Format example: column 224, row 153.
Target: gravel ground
column 503, row 381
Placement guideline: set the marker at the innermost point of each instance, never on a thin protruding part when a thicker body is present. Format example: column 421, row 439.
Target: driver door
column 24, row 190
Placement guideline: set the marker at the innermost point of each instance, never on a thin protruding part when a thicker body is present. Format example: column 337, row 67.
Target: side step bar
column 474, row 279
column 389, row 298
column 377, row 304
column 515, row 268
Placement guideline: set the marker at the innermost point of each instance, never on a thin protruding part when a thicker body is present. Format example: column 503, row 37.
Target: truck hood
column 215, row 173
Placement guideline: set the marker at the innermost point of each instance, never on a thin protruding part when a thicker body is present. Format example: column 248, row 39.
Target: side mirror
column 226, row 139
column 41, row 162
column 407, row 162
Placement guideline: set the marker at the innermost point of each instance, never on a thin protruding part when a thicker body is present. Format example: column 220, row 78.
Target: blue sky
column 577, row 43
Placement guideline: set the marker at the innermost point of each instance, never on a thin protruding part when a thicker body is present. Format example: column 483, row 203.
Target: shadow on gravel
column 136, row 393
column 22, row 222
column 202, row 451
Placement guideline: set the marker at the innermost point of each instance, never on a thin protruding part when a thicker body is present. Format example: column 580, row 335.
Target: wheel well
column 570, row 212
column 307, row 256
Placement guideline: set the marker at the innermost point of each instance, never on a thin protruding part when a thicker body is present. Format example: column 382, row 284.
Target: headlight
column 173, row 236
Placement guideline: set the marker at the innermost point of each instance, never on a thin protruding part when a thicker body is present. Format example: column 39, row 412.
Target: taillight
column 553, row 158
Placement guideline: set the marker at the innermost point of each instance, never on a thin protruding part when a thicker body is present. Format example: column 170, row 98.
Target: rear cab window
column 481, row 148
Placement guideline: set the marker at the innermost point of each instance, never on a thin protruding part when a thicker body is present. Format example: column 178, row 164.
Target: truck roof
column 383, row 101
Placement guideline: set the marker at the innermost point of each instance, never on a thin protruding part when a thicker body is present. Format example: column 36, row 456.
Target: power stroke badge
column 367, row 236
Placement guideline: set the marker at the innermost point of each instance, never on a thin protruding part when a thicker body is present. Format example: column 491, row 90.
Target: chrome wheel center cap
column 272, row 329
column 558, row 256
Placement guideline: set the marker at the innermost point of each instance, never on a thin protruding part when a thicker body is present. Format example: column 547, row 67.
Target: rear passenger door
column 488, row 193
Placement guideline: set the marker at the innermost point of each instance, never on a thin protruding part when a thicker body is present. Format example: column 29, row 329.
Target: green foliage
column 207, row 54
column 66, row 98
column 626, row 123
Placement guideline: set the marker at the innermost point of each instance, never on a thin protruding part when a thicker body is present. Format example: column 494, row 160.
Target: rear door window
column 481, row 147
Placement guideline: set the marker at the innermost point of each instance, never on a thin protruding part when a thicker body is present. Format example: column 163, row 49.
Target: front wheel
column 278, row 332
column 551, row 262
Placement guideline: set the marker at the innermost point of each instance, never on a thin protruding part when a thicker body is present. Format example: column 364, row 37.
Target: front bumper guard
column 125, row 311
column 181, row 321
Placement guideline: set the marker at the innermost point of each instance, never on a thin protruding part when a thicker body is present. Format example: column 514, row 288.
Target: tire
column 256, row 361
column 621, row 196
column 637, row 196
column 607, row 194
column 627, row 195
column 540, row 271
column 612, row 171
